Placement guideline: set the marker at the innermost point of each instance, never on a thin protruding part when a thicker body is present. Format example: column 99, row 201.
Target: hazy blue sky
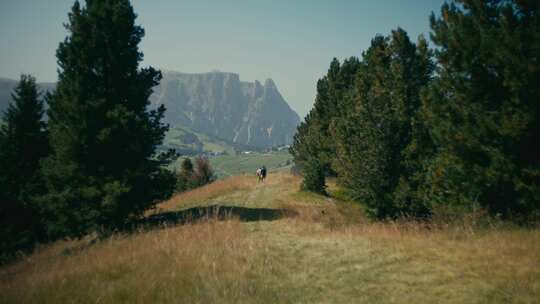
column 291, row 42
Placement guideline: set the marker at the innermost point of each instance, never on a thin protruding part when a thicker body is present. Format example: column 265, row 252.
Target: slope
column 322, row 250
column 189, row 142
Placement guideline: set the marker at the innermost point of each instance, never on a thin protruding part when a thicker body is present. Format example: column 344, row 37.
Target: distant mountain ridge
column 215, row 103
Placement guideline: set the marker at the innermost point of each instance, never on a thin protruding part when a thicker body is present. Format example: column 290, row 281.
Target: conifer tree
column 104, row 169
column 314, row 137
column 23, row 143
column 483, row 110
column 314, row 179
column 187, row 165
column 375, row 131
column 306, row 141
column 311, row 139
column 185, row 176
column 404, row 143
column 204, row 173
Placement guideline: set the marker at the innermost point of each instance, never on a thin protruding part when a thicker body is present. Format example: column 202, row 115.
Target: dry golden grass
column 242, row 190
column 209, row 192
column 408, row 262
column 206, row 262
column 328, row 253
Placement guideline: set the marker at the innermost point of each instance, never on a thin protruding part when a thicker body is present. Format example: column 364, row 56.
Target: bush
column 204, row 173
column 190, row 177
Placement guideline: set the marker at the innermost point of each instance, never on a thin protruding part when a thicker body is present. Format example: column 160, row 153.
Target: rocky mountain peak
column 269, row 84
column 219, row 104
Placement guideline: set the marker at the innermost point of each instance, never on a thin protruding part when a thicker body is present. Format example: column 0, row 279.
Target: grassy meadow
column 228, row 165
column 185, row 139
column 231, row 165
column 324, row 251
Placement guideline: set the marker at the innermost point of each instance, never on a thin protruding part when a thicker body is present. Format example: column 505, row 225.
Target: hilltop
column 270, row 243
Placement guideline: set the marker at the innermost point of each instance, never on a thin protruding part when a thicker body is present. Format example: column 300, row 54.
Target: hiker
column 259, row 174
column 263, row 173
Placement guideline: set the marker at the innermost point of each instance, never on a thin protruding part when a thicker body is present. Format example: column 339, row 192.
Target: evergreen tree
column 373, row 134
column 314, row 179
column 204, row 173
column 404, row 143
column 310, row 139
column 314, row 137
column 325, row 108
column 483, row 110
column 185, row 179
column 23, row 143
column 187, row 166
column 305, row 141
column 104, row 169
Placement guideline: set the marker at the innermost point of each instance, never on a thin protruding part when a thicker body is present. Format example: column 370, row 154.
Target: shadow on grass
column 218, row 212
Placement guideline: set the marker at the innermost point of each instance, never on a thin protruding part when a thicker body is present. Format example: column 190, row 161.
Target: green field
column 229, row 165
column 187, row 141
column 230, row 159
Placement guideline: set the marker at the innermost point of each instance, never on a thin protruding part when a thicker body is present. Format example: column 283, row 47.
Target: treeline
column 93, row 167
column 414, row 131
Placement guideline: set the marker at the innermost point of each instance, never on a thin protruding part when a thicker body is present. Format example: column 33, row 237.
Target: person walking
column 263, row 173
column 259, row 174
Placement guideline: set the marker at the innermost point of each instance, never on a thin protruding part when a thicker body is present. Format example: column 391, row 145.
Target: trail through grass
column 327, row 253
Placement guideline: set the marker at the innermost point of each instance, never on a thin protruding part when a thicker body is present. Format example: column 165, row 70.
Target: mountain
column 219, row 104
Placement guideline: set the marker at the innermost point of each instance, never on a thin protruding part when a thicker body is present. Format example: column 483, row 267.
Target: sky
column 290, row 41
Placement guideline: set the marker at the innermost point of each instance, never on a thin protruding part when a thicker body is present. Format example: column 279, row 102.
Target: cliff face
column 220, row 104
